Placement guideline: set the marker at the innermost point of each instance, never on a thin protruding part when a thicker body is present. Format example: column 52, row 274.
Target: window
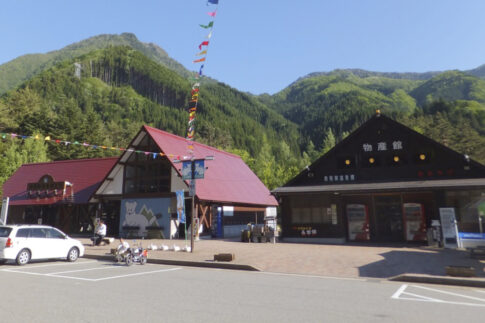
column 54, row 234
column 4, row 232
column 23, row 233
column 38, row 233
column 313, row 210
column 146, row 173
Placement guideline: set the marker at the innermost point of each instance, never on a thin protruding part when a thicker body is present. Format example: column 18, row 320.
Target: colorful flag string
column 194, row 94
column 85, row 144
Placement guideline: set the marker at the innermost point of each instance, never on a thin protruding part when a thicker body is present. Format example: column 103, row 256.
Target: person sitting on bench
column 100, row 233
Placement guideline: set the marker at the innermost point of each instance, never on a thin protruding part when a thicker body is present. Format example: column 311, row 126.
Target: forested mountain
column 122, row 87
column 449, row 107
column 24, row 67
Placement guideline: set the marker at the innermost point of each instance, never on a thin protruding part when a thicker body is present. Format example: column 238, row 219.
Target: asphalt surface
column 103, row 291
column 409, row 263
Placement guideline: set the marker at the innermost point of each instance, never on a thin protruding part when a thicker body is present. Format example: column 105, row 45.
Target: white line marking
column 22, row 272
column 307, row 276
column 421, row 297
column 441, row 302
column 137, row 274
column 91, row 279
column 58, row 264
column 80, row 270
column 399, row 291
column 450, row 293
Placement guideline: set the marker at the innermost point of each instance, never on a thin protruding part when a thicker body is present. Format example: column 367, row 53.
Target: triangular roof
column 227, row 178
column 85, row 175
column 442, row 163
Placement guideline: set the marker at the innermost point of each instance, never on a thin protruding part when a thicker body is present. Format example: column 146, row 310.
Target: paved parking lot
column 104, row 291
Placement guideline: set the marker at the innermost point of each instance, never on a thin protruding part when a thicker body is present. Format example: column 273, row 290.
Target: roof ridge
column 70, row 161
column 148, row 128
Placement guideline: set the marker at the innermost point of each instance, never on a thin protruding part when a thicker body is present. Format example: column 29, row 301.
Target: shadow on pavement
column 426, row 262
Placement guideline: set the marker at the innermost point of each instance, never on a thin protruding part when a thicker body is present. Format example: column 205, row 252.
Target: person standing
column 100, row 233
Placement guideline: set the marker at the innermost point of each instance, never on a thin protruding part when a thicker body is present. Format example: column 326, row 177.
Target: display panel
column 358, row 222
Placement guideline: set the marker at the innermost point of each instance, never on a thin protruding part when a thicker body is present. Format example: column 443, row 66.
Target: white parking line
column 79, row 270
column 450, row 293
column 137, row 274
column 59, row 273
column 399, row 291
column 421, row 298
column 57, row 264
column 306, row 276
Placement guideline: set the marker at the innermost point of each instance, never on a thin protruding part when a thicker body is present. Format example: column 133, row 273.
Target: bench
column 105, row 240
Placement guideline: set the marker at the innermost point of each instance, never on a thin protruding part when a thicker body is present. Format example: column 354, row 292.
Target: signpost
column 193, row 169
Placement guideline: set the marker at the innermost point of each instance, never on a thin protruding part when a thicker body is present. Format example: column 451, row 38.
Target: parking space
column 86, row 270
column 448, row 295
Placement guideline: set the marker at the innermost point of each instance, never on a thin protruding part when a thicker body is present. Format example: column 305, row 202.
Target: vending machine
column 414, row 222
column 358, row 222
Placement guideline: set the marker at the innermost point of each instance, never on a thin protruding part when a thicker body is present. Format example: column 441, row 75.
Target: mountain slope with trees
column 123, row 87
column 120, row 89
column 13, row 73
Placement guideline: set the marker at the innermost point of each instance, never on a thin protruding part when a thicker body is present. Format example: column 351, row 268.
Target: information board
column 449, row 227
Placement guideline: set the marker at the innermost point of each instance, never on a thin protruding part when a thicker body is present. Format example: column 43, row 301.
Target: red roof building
column 78, row 180
column 229, row 191
column 136, row 193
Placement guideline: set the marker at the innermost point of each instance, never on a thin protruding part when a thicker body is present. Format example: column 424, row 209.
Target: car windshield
column 5, row 231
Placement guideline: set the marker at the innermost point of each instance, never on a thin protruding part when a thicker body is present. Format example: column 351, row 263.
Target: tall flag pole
column 194, row 93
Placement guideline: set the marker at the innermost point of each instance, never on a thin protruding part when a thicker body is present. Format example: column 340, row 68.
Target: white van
column 23, row 243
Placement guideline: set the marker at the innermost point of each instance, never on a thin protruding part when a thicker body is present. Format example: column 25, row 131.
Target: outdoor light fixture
column 372, row 160
column 347, row 162
column 396, row 159
column 422, row 156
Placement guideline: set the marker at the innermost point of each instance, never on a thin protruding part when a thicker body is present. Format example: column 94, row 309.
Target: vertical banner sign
column 3, row 215
column 201, row 58
column 180, row 206
column 448, row 225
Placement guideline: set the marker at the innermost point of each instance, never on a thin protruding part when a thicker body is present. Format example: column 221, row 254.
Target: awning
column 471, row 183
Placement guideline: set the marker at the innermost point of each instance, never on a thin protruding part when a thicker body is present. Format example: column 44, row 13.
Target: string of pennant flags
column 87, row 145
column 194, row 93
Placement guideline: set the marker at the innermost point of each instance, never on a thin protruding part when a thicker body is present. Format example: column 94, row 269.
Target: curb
column 217, row 265
column 441, row 280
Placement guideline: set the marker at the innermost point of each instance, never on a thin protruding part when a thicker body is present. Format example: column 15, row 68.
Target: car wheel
column 73, row 254
column 129, row 260
column 23, row 257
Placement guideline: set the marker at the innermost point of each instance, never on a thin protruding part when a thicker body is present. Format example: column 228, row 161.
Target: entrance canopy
column 468, row 183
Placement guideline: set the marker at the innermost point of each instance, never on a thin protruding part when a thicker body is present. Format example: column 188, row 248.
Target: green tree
column 15, row 153
column 329, row 141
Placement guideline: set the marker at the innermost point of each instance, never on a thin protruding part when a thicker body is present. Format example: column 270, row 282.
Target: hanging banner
column 195, row 86
column 180, row 206
column 3, row 215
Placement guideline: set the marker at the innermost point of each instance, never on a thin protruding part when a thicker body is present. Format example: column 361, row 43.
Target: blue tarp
column 471, row 235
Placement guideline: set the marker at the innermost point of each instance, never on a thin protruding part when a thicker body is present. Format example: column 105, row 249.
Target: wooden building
column 136, row 193
column 384, row 182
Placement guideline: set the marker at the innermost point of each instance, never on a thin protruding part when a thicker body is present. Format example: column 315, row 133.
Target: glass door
column 388, row 213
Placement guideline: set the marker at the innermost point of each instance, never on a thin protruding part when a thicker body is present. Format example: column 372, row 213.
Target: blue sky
column 264, row 45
